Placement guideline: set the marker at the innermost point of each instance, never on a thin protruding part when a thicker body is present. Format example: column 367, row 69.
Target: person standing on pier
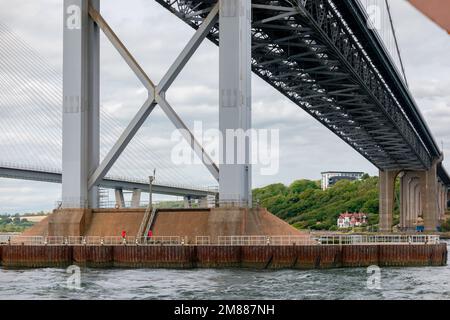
column 149, row 235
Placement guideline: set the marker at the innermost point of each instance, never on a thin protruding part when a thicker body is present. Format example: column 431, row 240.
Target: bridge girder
column 109, row 182
column 306, row 50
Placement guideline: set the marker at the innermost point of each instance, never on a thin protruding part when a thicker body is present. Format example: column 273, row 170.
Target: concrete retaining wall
column 259, row 257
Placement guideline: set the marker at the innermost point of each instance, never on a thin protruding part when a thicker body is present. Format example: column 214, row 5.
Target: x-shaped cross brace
column 155, row 95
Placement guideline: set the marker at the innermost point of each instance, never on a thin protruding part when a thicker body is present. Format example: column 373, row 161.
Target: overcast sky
column 155, row 37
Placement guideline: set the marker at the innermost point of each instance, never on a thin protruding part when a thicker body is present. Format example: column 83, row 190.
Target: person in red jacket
column 124, row 234
column 149, row 235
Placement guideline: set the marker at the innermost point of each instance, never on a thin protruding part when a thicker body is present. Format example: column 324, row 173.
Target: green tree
column 306, row 206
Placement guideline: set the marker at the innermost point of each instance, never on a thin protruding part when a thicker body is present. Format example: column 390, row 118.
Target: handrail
column 150, row 221
column 144, row 220
column 226, row 240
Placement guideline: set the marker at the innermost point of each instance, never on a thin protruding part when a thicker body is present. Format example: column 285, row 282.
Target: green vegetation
column 306, row 206
column 445, row 226
column 14, row 223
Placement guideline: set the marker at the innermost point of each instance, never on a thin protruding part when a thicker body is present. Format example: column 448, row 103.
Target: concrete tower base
column 188, row 223
column 69, row 222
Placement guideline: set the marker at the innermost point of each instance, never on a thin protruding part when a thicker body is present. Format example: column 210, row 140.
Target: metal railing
column 224, row 240
column 93, row 240
column 264, row 240
column 150, row 222
column 377, row 239
column 208, row 202
column 202, row 240
column 144, row 221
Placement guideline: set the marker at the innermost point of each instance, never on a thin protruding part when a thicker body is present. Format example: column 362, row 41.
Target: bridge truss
column 319, row 55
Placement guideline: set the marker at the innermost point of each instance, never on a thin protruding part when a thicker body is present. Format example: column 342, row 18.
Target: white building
column 350, row 220
column 329, row 178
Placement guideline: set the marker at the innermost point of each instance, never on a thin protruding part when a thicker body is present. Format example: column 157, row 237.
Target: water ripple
column 396, row 283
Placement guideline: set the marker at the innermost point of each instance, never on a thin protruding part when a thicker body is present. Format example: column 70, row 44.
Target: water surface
column 396, row 283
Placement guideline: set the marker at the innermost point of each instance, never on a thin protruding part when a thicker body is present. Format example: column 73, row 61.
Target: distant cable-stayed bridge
column 31, row 135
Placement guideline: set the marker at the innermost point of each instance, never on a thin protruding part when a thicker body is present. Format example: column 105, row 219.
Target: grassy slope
column 306, row 206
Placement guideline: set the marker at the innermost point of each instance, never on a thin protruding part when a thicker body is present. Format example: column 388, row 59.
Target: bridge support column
column 429, row 186
column 443, row 200
column 81, row 152
column 203, row 203
column 136, row 198
column 404, row 200
column 187, row 202
column 120, row 199
column 387, row 199
column 446, row 198
column 409, row 200
column 440, row 200
column 416, row 203
column 235, row 102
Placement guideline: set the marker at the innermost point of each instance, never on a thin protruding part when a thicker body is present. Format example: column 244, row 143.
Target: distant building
column 329, row 178
column 350, row 220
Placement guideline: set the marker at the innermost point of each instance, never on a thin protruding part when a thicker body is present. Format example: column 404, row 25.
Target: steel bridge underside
column 321, row 55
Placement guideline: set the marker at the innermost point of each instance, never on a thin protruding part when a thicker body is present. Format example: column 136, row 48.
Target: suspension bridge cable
column 57, row 97
column 40, row 101
column 396, row 41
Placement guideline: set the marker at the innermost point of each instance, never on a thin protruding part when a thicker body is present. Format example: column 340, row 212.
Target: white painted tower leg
column 235, row 100
column 80, row 104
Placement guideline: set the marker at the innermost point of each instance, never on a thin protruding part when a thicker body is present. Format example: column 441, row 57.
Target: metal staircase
column 150, row 221
column 147, row 221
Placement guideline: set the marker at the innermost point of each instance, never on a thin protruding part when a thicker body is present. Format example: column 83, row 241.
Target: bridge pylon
column 81, row 118
column 235, row 54
column 82, row 170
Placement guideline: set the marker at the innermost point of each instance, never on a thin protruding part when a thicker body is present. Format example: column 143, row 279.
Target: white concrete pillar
column 136, row 198
column 81, row 140
column 120, row 200
column 187, row 201
column 235, row 101
column 203, row 202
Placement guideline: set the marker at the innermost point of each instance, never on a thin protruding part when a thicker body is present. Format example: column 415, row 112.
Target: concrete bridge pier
column 120, row 200
column 387, row 199
column 443, row 199
column 410, row 200
column 203, row 202
column 421, row 195
column 187, row 202
column 136, row 198
column 429, row 191
column 447, row 199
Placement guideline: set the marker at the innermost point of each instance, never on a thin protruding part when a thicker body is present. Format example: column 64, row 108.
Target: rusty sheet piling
column 21, row 256
column 212, row 256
